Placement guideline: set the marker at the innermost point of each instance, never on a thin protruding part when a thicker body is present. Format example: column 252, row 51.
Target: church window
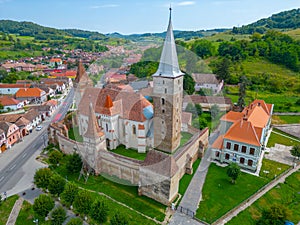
column 163, row 111
column 162, row 101
column 106, row 125
column 133, row 129
column 163, row 82
column 165, row 90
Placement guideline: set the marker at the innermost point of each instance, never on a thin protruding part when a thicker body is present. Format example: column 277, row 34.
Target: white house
column 207, row 81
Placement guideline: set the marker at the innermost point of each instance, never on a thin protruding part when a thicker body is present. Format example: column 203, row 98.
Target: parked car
column 38, row 128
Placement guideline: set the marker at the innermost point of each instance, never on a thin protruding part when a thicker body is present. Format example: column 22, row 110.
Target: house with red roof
column 243, row 135
column 11, row 89
column 11, row 131
column 55, row 62
column 10, row 103
column 31, row 95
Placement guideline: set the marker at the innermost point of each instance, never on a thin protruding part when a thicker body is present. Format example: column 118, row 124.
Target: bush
column 58, row 216
column 56, row 185
column 42, row 177
column 75, row 221
column 118, row 219
column 74, row 163
column 55, row 157
column 82, row 202
column 99, row 211
column 69, row 194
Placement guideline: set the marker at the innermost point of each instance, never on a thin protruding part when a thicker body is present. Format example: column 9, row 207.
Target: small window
column 228, row 145
column 162, row 101
column 252, row 151
column 250, row 162
column 244, row 148
column 242, row 160
column 106, row 125
column 163, row 82
column 217, row 154
column 165, row 90
column 163, row 111
column 133, row 129
column 236, row 147
column 227, row 156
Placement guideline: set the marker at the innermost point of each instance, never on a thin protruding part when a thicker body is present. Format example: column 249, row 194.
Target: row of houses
column 13, row 127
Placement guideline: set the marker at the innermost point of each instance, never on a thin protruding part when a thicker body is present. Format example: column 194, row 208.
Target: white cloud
column 104, row 6
column 186, row 3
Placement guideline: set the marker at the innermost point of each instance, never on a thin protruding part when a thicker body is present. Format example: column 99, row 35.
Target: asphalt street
column 21, row 153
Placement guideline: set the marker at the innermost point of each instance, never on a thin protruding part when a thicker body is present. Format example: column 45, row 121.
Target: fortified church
column 116, row 115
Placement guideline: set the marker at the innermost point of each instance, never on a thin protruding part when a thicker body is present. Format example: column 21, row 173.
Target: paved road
column 12, row 161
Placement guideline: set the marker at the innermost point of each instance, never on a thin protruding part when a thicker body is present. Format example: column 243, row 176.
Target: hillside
column 283, row 20
column 43, row 33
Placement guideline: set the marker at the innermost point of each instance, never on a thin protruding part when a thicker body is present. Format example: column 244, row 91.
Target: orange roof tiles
column 55, row 60
column 232, row 116
column 218, row 144
column 6, row 101
column 29, row 92
column 15, row 85
column 108, row 102
column 141, row 127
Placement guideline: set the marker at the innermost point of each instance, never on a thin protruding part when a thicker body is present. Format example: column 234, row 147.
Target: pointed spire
column 93, row 130
column 108, row 102
column 168, row 65
column 80, row 72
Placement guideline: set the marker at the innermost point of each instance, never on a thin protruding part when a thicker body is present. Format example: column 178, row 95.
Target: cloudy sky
column 133, row 16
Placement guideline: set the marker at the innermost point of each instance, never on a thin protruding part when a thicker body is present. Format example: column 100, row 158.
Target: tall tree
column 188, row 84
column 43, row 205
column 214, row 111
column 69, row 194
column 276, row 215
column 83, row 202
column 74, row 163
column 242, row 91
column 42, row 177
column 233, row 171
column 58, row 216
column 56, row 184
column 55, row 156
column 118, row 219
column 295, row 151
column 222, row 69
column 99, row 211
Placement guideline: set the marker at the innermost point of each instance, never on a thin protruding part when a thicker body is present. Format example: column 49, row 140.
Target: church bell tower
column 167, row 96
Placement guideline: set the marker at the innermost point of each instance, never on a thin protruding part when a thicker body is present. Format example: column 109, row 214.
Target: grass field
column 186, row 179
column 279, row 139
column 286, row 194
column 294, row 33
column 131, row 153
column 285, row 119
column 121, row 192
column 220, row 195
column 6, row 207
column 274, row 169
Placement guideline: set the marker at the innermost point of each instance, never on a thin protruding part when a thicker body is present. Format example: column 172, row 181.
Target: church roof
column 168, row 65
column 81, row 75
column 93, row 130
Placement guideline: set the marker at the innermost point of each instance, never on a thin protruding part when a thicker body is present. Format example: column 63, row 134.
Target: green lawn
column 186, row 179
column 211, row 124
column 131, row 153
column 123, row 193
column 286, row 194
column 274, row 169
column 279, row 139
column 220, row 195
column 185, row 137
column 74, row 134
column 6, row 207
column 282, row 119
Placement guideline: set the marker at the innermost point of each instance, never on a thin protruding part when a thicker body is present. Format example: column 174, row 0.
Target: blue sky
column 141, row 16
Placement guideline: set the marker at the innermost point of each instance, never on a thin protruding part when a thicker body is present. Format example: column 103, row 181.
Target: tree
column 99, row 211
column 214, row 111
column 188, row 84
column 295, row 151
column 43, row 205
column 55, row 157
column 233, row 171
column 74, row 163
column 202, row 123
column 58, row 216
column 75, row 221
column 276, row 215
column 82, row 202
column 199, row 109
column 42, row 177
column 69, row 193
column 118, row 219
column 56, row 184
column 242, row 91
column 222, row 70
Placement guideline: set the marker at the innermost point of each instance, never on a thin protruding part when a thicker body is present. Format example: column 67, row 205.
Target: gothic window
column 228, row 145
column 227, row 156
column 252, row 150
column 106, row 125
column 242, row 160
column 162, row 101
column 236, row 147
column 244, row 148
column 250, row 162
column 133, row 129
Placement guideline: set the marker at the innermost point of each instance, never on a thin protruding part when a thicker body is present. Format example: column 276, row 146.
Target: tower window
column 163, row 111
column 165, row 90
column 163, row 82
column 133, row 129
column 162, row 101
column 106, row 125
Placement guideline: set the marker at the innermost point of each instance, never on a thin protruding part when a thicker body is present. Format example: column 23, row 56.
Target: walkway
column 227, row 217
column 294, row 139
column 193, row 194
column 15, row 212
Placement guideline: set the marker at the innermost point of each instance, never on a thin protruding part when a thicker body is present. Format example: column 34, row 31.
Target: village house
column 11, row 89
column 55, row 62
column 31, row 95
column 243, row 135
column 207, row 81
column 12, row 133
column 10, row 104
column 24, row 125
column 33, row 116
column 2, row 141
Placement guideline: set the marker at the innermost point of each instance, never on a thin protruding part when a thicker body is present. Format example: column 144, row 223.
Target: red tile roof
column 218, row 144
column 6, row 101
column 15, row 85
column 29, row 92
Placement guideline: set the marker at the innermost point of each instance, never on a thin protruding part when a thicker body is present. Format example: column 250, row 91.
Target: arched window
column 162, row 101
column 133, row 129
